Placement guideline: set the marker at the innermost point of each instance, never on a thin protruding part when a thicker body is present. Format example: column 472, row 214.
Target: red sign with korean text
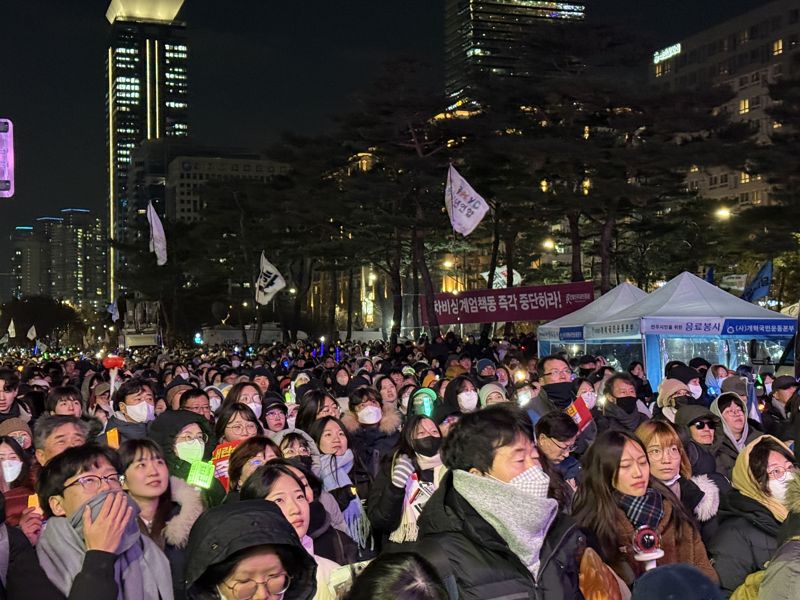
column 533, row 303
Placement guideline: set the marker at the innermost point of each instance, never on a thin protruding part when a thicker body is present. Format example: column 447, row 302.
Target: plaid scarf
column 644, row 510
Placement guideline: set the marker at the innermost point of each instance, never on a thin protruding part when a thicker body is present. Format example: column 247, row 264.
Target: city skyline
column 233, row 103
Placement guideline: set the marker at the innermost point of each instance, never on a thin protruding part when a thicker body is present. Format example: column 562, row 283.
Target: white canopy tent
column 689, row 315
column 569, row 328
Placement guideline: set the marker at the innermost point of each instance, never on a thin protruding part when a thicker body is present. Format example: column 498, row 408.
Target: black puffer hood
column 223, row 531
column 167, row 426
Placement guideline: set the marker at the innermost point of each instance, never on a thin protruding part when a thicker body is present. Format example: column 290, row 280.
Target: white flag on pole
column 158, row 241
column 31, row 335
column 465, row 207
column 269, row 281
column 12, row 331
column 113, row 309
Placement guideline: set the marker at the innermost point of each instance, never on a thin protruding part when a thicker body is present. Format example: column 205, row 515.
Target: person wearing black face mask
column 554, row 390
column 619, row 410
column 408, row 478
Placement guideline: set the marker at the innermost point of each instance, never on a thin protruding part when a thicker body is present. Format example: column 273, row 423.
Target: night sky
column 257, row 68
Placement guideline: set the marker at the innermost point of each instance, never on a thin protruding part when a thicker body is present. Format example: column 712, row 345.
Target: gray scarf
column 141, row 570
column 521, row 519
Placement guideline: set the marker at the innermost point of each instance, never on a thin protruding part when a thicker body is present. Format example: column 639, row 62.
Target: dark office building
column 146, row 96
column 482, row 37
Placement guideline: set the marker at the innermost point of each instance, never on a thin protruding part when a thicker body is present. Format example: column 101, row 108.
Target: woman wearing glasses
column 186, row 438
column 751, row 514
column 168, row 506
column 268, row 563
column 92, row 547
column 669, row 463
column 617, row 497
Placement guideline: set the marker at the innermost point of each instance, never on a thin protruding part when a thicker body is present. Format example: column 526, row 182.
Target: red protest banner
column 533, row 303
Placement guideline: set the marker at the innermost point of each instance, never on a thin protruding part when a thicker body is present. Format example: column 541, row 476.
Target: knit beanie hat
column 9, row 426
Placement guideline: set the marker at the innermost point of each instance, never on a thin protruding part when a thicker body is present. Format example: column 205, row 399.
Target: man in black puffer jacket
column 489, row 530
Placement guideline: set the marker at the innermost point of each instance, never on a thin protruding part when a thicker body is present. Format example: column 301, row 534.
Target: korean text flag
column 465, row 207
column 759, row 287
column 269, row 281
column 158, row 241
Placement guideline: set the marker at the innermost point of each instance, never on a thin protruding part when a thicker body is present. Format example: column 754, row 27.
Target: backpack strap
column 430, row 549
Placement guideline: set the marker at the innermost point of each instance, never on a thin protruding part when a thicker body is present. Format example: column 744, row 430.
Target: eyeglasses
column 240, row 428
column 253, row 398
column 778, row 473
column 561, row 372
column 276, row 585
column 274, row 414
column 191, row 437
column 700, row 425
column 92, row 483
column 669, row 452
column 570, row 448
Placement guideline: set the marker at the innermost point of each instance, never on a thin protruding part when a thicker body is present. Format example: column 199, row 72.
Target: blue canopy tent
column 565, row 334
column 690, row 317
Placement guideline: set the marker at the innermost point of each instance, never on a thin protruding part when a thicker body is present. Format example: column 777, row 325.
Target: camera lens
column 648, row 541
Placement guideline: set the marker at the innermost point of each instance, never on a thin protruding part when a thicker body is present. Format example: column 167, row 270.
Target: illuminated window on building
column 659, row 69
column 777, row 47
column 744, row 177
column 744, row 106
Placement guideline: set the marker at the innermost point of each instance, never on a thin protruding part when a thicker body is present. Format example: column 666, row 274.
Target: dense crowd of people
column 434, row 470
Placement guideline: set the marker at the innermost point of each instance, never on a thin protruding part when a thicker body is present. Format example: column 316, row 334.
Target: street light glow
column 448, row 264
column 723, row 213
column 548, row 244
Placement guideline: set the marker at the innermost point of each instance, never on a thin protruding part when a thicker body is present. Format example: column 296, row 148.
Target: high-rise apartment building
column 482, row 37
column 61, row 257
column 146, row 97
column 26, row 263
column 748, row 53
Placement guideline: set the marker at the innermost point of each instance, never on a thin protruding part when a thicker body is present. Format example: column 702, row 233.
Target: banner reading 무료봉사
column 533, row 303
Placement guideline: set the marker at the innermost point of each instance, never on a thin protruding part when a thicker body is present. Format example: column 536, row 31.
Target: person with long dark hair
column 277, row 483
column 314, row 405
column 617, row 497
column 409, row 476
column 343, row 476
column 401, row 576
column 168, row 506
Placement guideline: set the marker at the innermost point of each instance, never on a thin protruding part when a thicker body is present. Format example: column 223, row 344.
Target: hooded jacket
column 749, row 521
column 727, row 452
column 165, row 429
column 226, row 530
column 371, row 444
column 481, row 562
column 782, row 578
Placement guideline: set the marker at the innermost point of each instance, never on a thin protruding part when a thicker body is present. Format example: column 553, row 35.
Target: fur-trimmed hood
column 708, row 506
column 390, row 423
column 793, row 495
column 176, row 531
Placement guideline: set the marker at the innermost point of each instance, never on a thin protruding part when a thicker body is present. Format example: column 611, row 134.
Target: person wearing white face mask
column 373, row 427
column 17, row 485
column 491, row 517
column 187, row 438
column 134, row 407
column 753, row 512
column 460, row 397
